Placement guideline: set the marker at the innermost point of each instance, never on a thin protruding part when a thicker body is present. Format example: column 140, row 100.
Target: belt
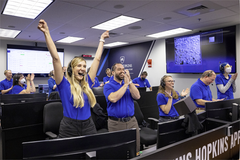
column 166, row 117
column 200, row 108
column 125, row 119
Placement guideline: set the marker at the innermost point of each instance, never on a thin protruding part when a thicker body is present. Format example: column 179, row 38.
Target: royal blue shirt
column 142, row 83
column 105, row 79
column 6, row 84
column 69, row 110
column 220, row 79
column 162, row 100
column 199, row 90
column 124, row 107
column 51, row 83
column 17, row 89
column 96, row 82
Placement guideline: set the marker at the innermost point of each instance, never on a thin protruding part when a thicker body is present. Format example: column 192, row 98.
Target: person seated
column 6, row 85
column 225, row 82
column 96, row 82
column 166, row 97
column 142, row 81
column 106, row 79
column 19, row 84
column 200, row 91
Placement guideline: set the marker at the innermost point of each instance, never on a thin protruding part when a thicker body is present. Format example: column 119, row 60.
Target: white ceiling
column 76, row 17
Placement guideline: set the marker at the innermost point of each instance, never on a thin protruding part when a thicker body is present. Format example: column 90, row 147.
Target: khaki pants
column 118, row 125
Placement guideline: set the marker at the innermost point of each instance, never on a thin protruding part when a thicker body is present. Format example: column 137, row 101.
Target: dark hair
column 144, row 73
column 51, row 73
column 221, row 67
column 114, row 66
column 16, row 78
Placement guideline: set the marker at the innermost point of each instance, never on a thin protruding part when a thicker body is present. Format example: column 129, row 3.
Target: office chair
column 148, row 136
column 99, row 118
column 52, row 116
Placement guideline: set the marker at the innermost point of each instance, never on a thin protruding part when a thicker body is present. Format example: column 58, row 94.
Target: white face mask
column 23, row 81
column 228, row 70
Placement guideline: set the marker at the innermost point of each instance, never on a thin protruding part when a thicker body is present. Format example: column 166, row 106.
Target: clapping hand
column 127, row 77
column 184, row 92
column 168, row 94
column 28, row 78
column 234, row 77
column 32, row 76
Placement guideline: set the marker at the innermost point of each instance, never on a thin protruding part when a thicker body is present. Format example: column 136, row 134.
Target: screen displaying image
column 203, row 51
column 27, row 59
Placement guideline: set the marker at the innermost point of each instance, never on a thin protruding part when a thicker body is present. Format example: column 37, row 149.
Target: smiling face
column 169, row 83
column 79, row 68
column 119, row 72
column 8, row 74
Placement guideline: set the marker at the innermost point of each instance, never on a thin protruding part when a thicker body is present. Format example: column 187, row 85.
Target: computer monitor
column 43, row 88
column 142, row 89
column 222, row 110
column 110, row 145
column 19, row 98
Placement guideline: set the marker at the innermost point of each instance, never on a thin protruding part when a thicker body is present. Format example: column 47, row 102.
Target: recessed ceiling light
column 116, row 23
column 115, row 44
column 70, row 39
column 9, row 33
column 167, row 18
column 11, row 26
column 26, row 8
column 119, row 6
column 135, row 27
column 169, row 32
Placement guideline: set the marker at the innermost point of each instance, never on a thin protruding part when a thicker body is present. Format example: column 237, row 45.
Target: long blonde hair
column 77, row 88
column 161, row 88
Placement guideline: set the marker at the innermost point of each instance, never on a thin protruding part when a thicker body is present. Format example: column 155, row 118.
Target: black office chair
column 148, row 136
column 52, row 116
column 54, row 95
column 99, row 118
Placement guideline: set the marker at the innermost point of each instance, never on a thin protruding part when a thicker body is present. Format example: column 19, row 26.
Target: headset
column 69, row 69
column 221, row 67
column 162, row 83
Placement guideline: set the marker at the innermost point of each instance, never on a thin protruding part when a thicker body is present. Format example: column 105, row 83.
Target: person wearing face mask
column 75, row 92
column 200, row 91
column 6, row 85
column 225, row 82
column 166, row 97
column 51, row 83
column 22, row 85
column 142, row 81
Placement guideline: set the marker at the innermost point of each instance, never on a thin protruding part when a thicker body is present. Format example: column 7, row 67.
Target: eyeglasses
column 171, row 81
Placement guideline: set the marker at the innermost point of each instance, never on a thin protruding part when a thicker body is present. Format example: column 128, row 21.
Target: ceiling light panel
column 26, row 8
column 9, row 33
column 169, row 32
column 115, row 44
column 70, row 39
column 116, row 23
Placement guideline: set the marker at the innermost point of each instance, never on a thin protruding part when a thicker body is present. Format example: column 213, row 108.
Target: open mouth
column 80, row 74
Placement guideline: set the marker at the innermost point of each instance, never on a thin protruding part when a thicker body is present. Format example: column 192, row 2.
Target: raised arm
column 28, row 90
column 94, row 67
column 42, row 26
column 167, row 107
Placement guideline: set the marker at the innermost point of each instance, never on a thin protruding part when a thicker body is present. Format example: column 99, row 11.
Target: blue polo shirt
column 220, row 79
column 96, row 82
column 105, row 79
column 162, row 100
column 142, row 83
column 51, row 83
column 6, row 84
column 124, row 107
column 69, row 110
column 17, row 89
column 199, row 90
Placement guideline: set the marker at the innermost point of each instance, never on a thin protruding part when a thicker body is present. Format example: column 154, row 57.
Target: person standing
column 119, row 94
column 142, row 81
column 6, row 85
column 75, row 92
column 51, row 83
column 225, row 82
